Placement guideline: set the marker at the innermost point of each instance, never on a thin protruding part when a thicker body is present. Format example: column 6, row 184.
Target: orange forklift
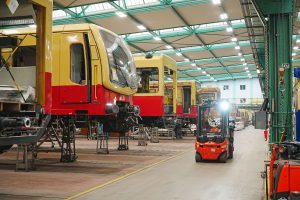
column 284, row 176
column 214, row 132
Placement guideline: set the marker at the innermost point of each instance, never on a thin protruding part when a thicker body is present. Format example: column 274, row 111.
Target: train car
column 186, row 108
column 208, row 94
column 93, row 76
column 156, row 98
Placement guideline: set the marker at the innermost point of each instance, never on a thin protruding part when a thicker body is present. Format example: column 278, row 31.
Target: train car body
column 208, row 94
column 92, row 78
column 186, row 108
column 156, row 99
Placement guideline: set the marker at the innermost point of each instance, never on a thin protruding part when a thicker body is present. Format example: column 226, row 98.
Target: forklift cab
column 214, row 133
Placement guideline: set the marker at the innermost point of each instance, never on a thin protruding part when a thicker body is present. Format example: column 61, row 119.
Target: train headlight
column 111, row 109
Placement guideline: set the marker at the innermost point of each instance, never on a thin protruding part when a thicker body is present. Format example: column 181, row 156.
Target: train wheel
column 198, row 157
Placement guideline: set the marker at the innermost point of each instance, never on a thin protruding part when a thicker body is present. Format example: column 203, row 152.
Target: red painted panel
column 48, row 93
column 96, row 107
column 150, row 105
column 192, row 114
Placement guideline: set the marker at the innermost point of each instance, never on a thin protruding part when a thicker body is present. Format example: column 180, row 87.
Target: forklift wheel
column 198, row 157
column 230, row 156
column 223, row 157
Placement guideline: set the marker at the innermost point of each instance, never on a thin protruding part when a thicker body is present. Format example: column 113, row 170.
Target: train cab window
column 77, row 64
column 149, row 80
column 25, row 56
column 121, row 65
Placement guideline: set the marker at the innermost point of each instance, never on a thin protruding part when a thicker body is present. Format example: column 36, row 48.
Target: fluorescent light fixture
column 179, row 54
column 258, row 71
column 215, row 80
column 237, row 47
column 193, row 64
column 248, row 71
column 249, row 74
column 295, row 47
column 199, row 68
column 234, row 39
column 246, row 68
column 204, row 72
column 121, row 14
column 212, row 78
column 293, row 54
column 186, row 59
column 169, row 47
column 242, row 59
column 244, row 64
column 216, row 2
column 298, row 41
column 239, row 54
column 208, row 75
column 229, row 29
column 223, row 16
column 141, row 27
column 156, row 38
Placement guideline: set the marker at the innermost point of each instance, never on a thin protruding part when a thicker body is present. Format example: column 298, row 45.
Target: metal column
column 279, row 16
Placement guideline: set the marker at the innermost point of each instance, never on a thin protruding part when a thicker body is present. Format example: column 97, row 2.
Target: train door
column 187, row 99
column 75, row 68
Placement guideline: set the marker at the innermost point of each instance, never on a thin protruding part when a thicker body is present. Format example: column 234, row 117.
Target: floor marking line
column 125, row 176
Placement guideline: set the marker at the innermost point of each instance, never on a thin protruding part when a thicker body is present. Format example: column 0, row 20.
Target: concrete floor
column 176, row 178
column 183, row 179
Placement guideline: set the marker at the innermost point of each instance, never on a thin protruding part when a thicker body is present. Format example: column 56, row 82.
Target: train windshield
column 122, row 68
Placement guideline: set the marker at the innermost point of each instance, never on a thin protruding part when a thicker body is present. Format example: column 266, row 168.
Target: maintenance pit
column 55, row 180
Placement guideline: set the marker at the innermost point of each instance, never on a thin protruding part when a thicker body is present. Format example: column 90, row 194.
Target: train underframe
column 33, row 129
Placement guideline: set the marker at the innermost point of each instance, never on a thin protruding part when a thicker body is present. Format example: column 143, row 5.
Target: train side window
column 77, row 64
column 149, row 80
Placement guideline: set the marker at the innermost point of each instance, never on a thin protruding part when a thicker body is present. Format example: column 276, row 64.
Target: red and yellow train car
column 187, row 101
column 156, row 98
column 92, row 78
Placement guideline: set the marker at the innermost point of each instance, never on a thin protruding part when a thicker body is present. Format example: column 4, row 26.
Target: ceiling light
column 141, row 27
column 229, row 29
column 215, row 80
column 223, row 16
column 234, row 39
column 295, row 47
column 216, row 2
column 199, row 68
column 246, row 68
column 298, row 41
column 212, row 78
column 248, row 71
column 179, row 54
column 156, row 38
column 204, row 72
column 237, row 47
column 242, row 59
column 169, row 47
column 186, row 59
column 193, row 64
column 244, row 64
column 239, row 54
column 121, row 14
column 258, row 71
column 207, row 74
column 293, row 54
